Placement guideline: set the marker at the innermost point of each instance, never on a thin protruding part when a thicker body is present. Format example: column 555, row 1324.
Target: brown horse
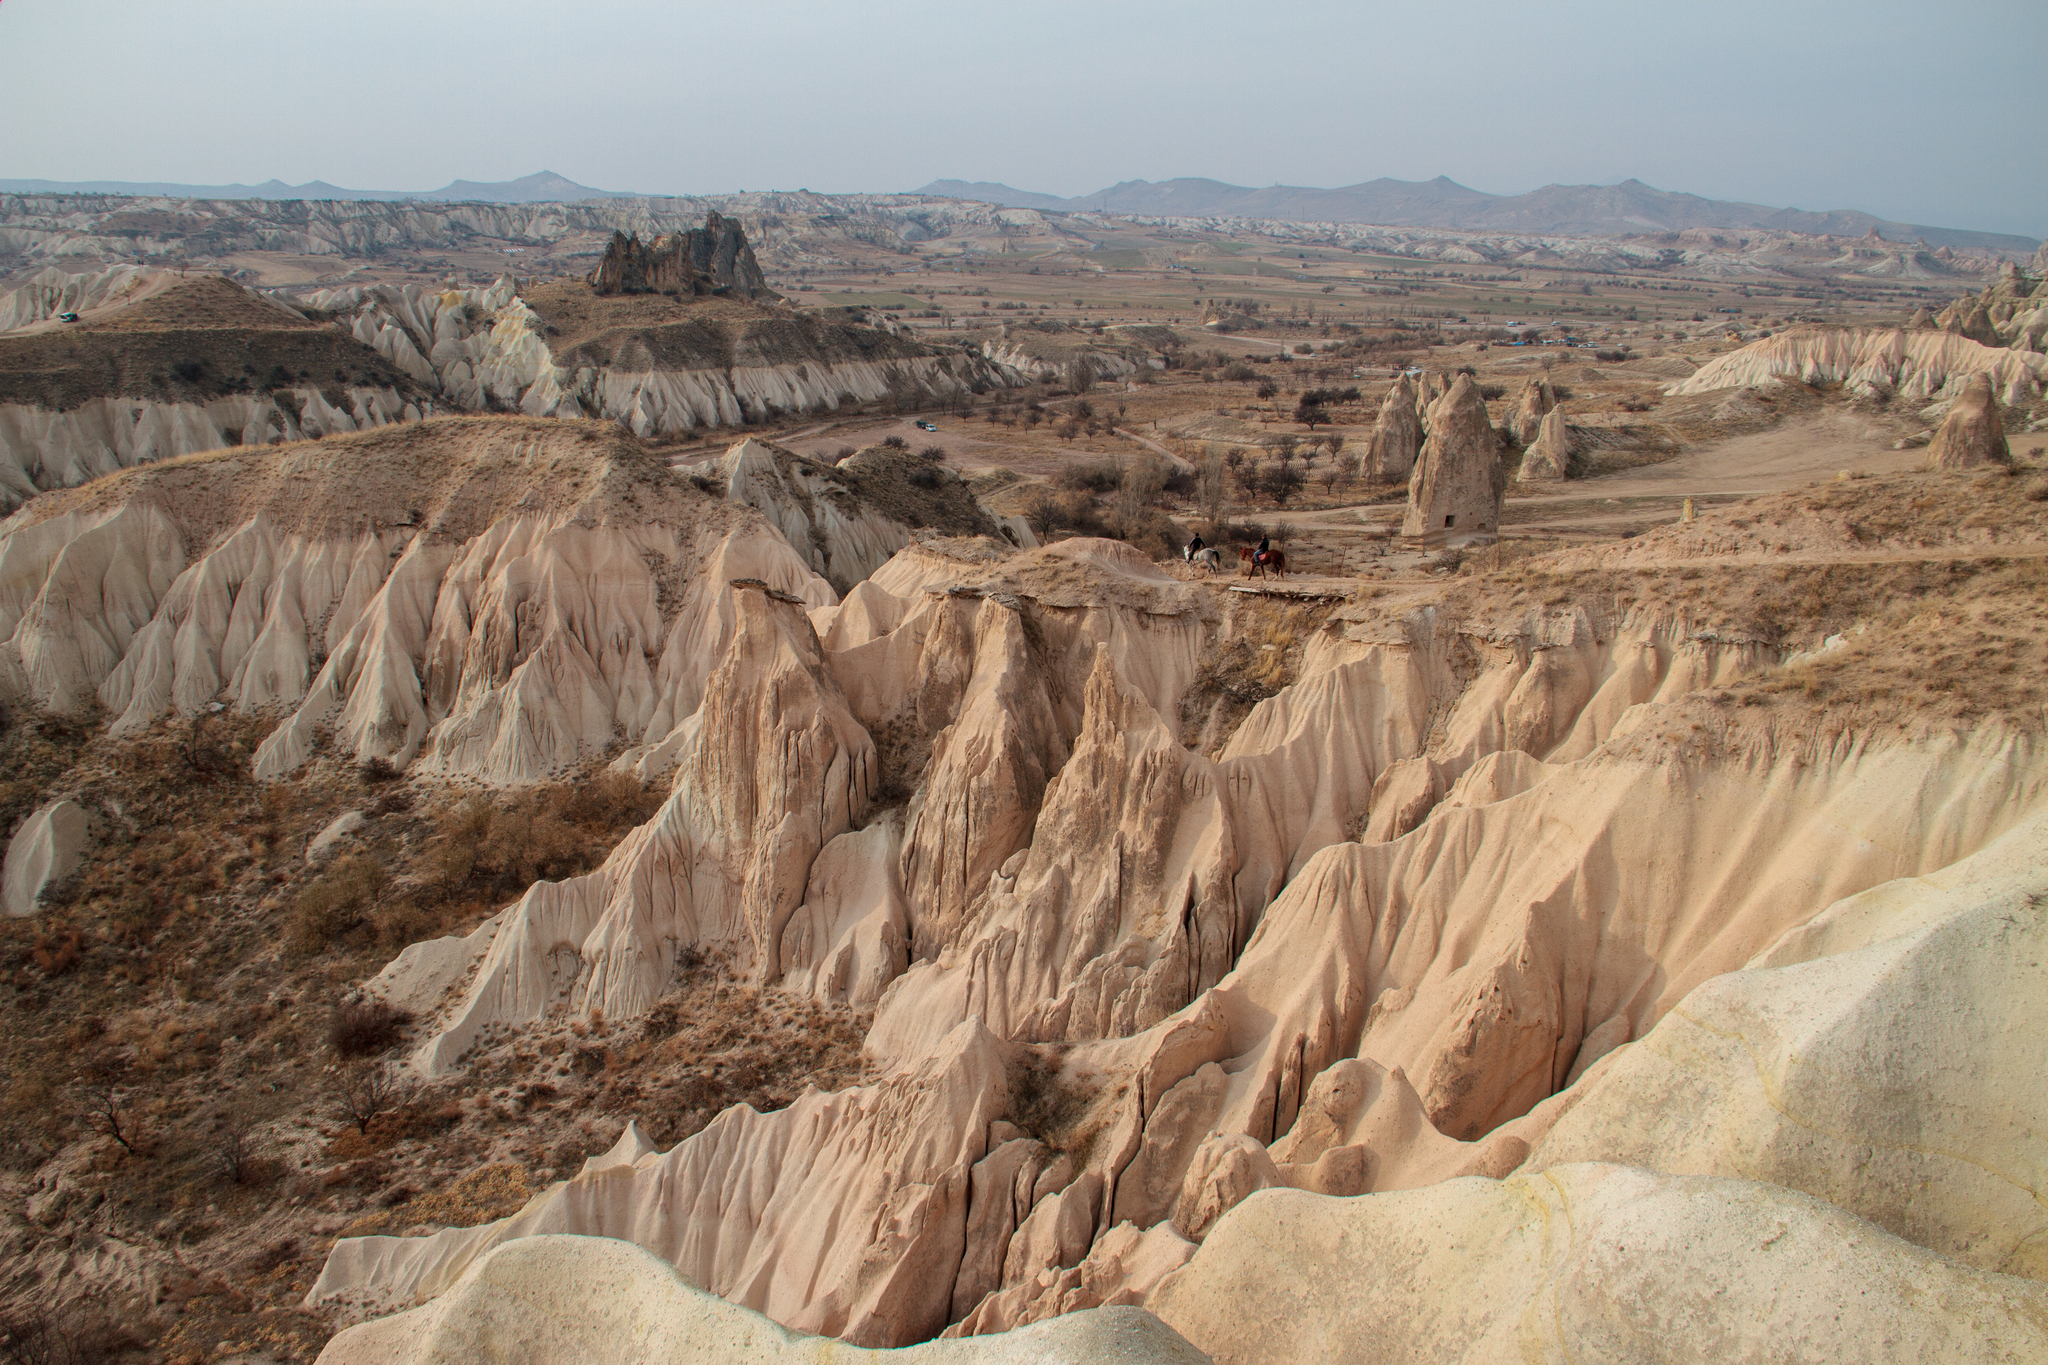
column 1249, row 563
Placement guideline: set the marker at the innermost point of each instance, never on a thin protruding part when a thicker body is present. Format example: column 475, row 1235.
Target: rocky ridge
column 490, row 348
column 1493, row 863
column 159, row 366
column 1922, row 367
column 1241, row 997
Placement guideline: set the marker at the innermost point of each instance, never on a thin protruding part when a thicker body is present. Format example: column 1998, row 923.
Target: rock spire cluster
column 713, row 259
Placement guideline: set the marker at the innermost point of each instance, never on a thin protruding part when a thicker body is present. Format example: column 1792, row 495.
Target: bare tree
column 108, row 1112
column 1213, row 489
column 363, row 1090
column 1143, row 478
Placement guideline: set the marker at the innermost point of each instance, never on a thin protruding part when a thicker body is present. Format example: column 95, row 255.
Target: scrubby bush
column 362, row 1028
column 334, row 905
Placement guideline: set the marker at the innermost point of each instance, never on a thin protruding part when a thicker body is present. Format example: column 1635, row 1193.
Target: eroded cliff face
column 513, row 597
column 1501, row 896
column 1415, row 908
column 155, row 366
column 1918, row 366
column 490, row 347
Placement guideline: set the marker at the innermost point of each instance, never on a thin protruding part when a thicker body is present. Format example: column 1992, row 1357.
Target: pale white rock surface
column 41, row 449
column 513, row 597
column 785, row 1213
column 1915, row 366
column 558, row 1298
column 328, row 841
column 1594, row 1264
column 45, row 848
column 484, row 346
column 1882, row 1057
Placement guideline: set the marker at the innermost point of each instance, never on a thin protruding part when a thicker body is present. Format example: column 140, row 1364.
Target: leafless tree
column 363, row 1090
column 1213, row 489
column 107, row 1111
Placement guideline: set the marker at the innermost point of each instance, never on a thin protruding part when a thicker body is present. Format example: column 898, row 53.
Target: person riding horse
column 1265, row 549
column 1194, row 548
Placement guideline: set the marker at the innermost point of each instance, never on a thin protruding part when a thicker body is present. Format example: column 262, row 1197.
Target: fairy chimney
column 1546, row 457
column 1459, row 480
column 1532, row 405
column 1396, row 436
column 1972, row 433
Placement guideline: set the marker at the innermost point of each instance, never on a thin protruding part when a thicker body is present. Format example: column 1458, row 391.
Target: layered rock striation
column 489, row 598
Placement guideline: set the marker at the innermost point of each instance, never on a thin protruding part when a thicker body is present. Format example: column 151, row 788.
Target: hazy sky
column 1918, row 111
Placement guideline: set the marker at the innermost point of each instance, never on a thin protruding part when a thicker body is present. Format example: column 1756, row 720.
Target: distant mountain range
column 1628, row 207
column 1623, row 208
column 543, row 188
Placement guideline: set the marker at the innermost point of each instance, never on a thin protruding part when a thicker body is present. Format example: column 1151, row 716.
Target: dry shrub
column 56, row 950
column 335, row 905
column 361, row 1028
column 38, row 1334
column 486, row 847
column 1050, row 1105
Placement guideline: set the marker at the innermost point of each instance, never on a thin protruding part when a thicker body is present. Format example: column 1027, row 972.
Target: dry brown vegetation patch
column 178, row 1030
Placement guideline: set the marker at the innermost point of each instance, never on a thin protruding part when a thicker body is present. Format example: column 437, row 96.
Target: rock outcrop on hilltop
column 1532, row 405
column 657, row 370
column 1459, row 480
column 1396, row 436
column 1917, row 366
column 1550, row 455
column 713, row 259
column 1972, row 434
column 160, row 366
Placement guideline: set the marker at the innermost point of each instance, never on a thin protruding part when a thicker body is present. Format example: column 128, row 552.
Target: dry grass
column 167, row 1022
column 713, row 1042
column 1255, row 657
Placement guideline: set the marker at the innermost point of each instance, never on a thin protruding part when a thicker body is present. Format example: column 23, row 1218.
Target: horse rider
column 1265, row 548
column 1195, row 547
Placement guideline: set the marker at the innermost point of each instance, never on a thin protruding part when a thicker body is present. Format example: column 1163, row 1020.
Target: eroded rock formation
column 1972, row 434
column 1920, row 367
column 1459, row 480
column 1485, row 914
column 1532, row 405
column 1396, row 436
column 1592, row 1263
column 713, row 259
column 1550, row 455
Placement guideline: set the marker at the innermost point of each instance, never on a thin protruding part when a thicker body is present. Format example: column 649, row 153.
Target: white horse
column 1208, row 557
